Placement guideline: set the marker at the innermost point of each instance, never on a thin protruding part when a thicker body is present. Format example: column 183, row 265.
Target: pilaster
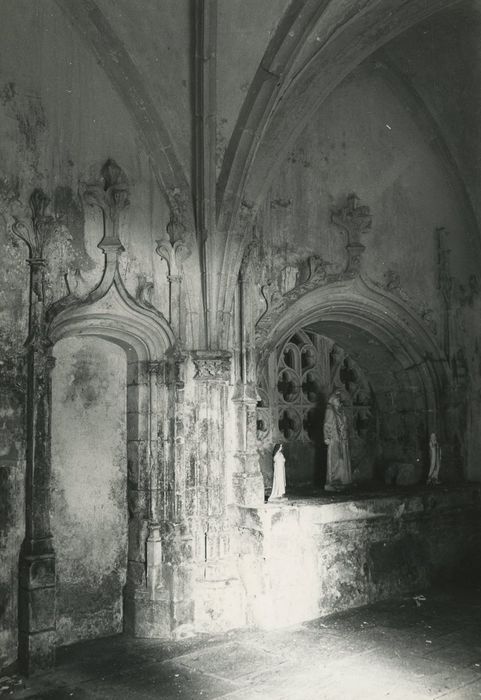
column 37, row 557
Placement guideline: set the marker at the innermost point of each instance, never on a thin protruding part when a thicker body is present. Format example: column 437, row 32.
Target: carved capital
column 354, row 220
column 156, row 367
column 212, row 365
column 111, row 195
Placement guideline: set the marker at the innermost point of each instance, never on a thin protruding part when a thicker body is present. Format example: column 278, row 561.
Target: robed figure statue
column 336, row 438
column 279, row 478
column 434, row 459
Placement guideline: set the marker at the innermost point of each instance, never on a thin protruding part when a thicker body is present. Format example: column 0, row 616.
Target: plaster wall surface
column 246, row 28
column 61, row 119
column 362, row 140
column 89, row 494
column 453, row 37
column 154, row 38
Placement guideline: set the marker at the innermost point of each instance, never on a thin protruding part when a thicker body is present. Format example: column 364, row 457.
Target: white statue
column 279, row 480
column 435, row 459
column 336, row 438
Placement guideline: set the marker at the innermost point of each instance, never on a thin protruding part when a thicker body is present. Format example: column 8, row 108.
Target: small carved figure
column 279, row 480
column 336, row 438
column 435, row 459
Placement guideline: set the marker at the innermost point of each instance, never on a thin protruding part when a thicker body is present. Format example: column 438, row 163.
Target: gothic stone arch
column 108, row 312
column 385, row 332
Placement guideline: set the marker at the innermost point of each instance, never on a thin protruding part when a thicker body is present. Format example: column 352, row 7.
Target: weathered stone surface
column 303, row 558
column 267, row 128
column 36, row 652
column 403, row 474
column 37, row 615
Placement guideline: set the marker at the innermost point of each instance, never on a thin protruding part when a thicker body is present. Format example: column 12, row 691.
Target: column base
column 166, row 612
column 36, row 613
column 219, row 606
column 36, row 652
column 147, row 618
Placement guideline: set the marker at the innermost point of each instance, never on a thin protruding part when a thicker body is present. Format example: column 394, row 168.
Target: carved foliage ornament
column 276, row 302
column 212, row 366
column 111, row 195
column 174, row 254
column 42, row 226
column 36, row 233
column 355, row 220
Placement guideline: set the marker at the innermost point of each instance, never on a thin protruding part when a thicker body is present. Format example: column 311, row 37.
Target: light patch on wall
column 89, row 508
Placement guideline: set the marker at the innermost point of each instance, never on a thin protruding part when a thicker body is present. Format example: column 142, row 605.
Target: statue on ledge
column 435, row 460
column 279, row 480
column 336, row 438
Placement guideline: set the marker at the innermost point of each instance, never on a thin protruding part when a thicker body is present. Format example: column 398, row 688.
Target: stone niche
column 89, row 486
column 307, row 368
column 384, row 404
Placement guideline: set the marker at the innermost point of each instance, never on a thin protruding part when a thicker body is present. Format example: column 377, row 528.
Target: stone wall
column 300, row 560
column 94, row 89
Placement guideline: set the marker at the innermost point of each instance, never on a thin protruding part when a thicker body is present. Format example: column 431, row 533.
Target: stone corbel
column 354, row 220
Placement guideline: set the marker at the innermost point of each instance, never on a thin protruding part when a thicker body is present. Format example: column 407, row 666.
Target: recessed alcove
column 384, row 401
column 309, row 366
column 89, row 486
column 353, row 337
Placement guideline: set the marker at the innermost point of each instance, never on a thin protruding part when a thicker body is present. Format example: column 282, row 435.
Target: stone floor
column 423, row 646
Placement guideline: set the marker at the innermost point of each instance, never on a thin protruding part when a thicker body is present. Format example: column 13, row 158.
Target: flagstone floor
column 422, row 646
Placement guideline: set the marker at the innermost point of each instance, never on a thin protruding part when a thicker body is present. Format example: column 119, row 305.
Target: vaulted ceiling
column 218, row 92
column 275, row 62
